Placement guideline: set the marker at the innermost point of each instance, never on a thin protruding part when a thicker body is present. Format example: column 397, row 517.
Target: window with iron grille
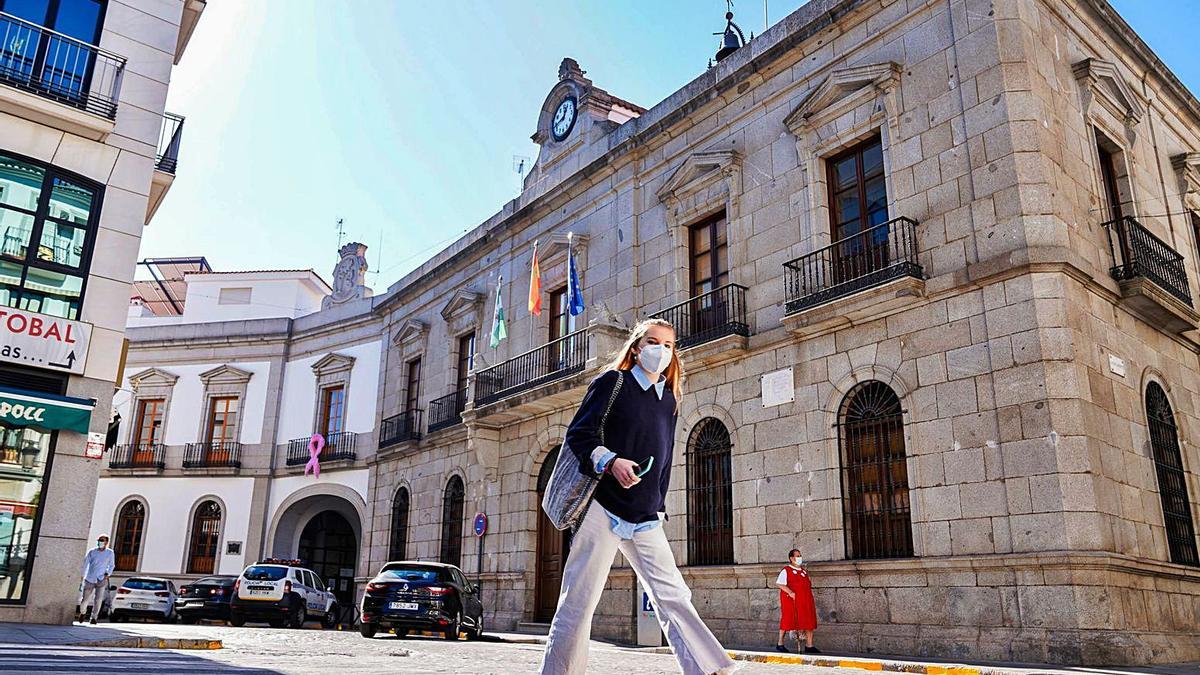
column 128, row 537
column 399, row 526
column 710, row 495
column 206, row 530
column 875, row 500
column 1172, row 480
column 452, row 521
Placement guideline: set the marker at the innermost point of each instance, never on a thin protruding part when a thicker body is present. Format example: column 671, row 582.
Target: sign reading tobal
column 43, row 341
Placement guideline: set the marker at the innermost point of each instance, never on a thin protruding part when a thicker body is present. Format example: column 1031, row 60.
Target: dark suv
column 428, row 596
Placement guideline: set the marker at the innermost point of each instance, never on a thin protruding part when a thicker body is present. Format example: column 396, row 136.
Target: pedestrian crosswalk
column 44, row 659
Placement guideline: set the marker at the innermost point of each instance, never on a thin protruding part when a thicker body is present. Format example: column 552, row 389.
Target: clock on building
column 564, row 118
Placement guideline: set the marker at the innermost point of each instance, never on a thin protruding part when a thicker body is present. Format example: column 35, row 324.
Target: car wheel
column 296, row 616
column 476, row 632
column 236, row 620
column 451, row 632
column 368, row 630
column 330, row 620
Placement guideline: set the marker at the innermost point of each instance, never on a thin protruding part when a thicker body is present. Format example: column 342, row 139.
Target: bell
column 731, row 40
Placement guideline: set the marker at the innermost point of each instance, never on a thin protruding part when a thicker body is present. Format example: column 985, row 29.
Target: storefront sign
column 95, row 446
column 43, row 341
column 45, row 411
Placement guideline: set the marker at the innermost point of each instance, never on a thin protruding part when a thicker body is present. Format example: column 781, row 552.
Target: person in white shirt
column 98, row 565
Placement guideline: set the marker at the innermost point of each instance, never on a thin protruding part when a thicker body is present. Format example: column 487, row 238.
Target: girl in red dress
column 798, row 612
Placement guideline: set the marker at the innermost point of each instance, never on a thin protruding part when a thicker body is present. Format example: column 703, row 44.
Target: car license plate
column 412, row 606
column 139, row 605
column 260, row 591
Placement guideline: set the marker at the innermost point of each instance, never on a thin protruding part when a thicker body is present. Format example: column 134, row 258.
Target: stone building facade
column 87, row 154
column 933, row 265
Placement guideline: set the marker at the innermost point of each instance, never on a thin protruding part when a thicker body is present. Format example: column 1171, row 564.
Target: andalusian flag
column 535, row 284
column 498, row 330
column 574, row 293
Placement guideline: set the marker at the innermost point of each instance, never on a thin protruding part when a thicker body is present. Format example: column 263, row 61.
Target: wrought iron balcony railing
column 1138, row 253
column 405, row 426
column 59, row 67
column 708, row 317
column 339, row 445
column 212, row 454
column 446, row 411
column 869, row 258
column 552, row 361
column 136, row 456
column 168, row 143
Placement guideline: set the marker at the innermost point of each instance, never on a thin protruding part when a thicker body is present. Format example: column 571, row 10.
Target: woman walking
column 798, row 611
column 634, row 466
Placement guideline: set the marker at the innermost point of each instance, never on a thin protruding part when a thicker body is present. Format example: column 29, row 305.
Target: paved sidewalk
column 147, row 636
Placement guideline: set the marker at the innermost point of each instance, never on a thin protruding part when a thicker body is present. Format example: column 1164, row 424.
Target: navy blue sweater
column 639, row 426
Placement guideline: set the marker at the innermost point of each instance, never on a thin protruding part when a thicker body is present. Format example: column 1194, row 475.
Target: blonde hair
column 625, row 358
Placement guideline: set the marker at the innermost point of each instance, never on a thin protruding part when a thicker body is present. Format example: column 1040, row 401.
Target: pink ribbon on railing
column 315, row 444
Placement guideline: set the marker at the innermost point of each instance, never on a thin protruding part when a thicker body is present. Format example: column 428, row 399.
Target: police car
column 281, row 593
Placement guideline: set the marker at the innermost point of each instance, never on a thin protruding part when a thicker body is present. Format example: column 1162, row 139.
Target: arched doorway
column 552, row 548
column 322, row 525
column 330, row 548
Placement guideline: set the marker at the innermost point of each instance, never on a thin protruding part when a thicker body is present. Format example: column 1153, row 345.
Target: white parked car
column 281, row 592
column 148, row 597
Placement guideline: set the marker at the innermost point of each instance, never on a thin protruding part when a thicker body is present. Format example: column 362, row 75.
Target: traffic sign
column 480, row 524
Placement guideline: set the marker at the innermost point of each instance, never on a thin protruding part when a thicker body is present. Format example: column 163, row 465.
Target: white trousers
column 592, row 552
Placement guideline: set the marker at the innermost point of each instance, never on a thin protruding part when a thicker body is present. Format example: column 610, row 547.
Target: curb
column 858, row 664
column 153, row 643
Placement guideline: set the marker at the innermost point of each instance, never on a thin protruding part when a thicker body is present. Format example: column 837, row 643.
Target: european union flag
column 574, row 293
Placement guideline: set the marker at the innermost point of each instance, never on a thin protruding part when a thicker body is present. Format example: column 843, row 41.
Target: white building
column 87, row 154
column 231, row 378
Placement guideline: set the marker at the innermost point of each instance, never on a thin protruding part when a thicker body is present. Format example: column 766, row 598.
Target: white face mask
column 798, row 561
column 654, row 358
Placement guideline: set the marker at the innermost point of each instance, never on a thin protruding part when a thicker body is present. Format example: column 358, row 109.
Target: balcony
column 446, row 411
column 214, row 455
column 1151, row 276
column 338, row 446
column 862, row 277
column 549, row 378
column 136, row 456
column 57, row 80
column 552, row 361
column 710, row 326
column 400, row 428
column 165, row 163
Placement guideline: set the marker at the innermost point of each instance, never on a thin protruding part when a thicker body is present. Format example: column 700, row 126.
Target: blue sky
column 403, row 118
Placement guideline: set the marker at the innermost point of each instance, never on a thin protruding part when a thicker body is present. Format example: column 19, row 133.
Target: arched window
column 206, row 531
column 1172, row 482
column 877, row 518
column 399, row 526
column 710, row 495
column 127, row 540
column 452, row 520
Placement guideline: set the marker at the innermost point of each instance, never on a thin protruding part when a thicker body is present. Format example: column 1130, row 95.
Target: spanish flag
column 535, row 284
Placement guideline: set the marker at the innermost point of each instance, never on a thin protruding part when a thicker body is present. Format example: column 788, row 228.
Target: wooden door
column 552, row 549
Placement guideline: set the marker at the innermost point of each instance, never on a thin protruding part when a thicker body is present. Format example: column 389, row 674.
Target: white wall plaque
column 1116, row 364
column 778, row 388
column 43, row 341
column 95, row 446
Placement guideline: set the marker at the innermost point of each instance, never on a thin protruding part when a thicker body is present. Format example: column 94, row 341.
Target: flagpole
column 531, row 315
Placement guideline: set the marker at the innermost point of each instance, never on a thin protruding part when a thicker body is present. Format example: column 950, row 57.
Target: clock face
column 564, row 119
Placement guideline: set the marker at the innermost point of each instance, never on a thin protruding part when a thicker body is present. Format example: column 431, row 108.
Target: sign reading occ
column 22, row 413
